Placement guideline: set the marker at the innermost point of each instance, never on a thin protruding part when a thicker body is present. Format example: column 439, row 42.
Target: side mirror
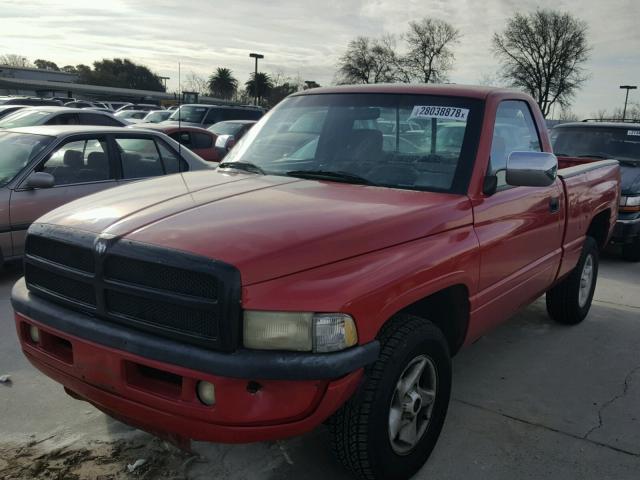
column 40, row 180
column 531, row 169
column 225, row 142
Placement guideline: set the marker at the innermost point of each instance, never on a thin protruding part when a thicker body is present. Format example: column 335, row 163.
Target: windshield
column 23, row 118
column 155, row 117
column 189, row 113
column 16, row 151
column 608, row 142
column 418, row 142
column 225, row 128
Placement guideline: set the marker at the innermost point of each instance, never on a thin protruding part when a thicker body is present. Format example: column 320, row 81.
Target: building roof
column 39, row 70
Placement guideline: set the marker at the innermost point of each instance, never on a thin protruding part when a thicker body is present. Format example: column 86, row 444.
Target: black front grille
column 70, row 255
column 68, row 288
column 162, row 314
column 161, row 291
column 156, row 275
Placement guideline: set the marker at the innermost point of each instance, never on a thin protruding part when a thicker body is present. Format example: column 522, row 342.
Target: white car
column 34, row 116
column 131, row 116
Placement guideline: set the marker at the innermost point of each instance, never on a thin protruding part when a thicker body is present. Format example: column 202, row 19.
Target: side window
column 97, row 119
column 213, row 116
column 183, row 138
column 514, row 131
column 201, row 140
column 140, row 158
column 64, row 119
column 83, row 161
column 172, row 164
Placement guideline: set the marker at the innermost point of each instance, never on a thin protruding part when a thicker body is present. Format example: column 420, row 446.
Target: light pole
column 626, row 98
column 255, row 76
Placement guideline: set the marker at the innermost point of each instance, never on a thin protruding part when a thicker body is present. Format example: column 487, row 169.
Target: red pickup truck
column 323, row 273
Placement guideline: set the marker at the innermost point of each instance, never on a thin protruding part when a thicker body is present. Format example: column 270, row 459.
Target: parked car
column 229, row 133
column 255, row 301
column 8, row 109
column 139, row 106
column 30, row 101
column 156, row 116
column 200, row 141
column 116, row 105
column 580, row 141
column 131, row 116
column 32, row 116
column 83, row 104
column 197, row 115
column 46, row 166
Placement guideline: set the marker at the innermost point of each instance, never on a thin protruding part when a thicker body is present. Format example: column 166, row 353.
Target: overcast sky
column 303, row 38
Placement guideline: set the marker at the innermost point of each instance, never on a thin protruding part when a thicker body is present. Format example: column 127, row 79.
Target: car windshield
column 139, row 114
column 189, row 113
column 155, row 117
column 417, row 142
column 225, row 128
column 23, row 118
column 16, row 151
column 621, row 143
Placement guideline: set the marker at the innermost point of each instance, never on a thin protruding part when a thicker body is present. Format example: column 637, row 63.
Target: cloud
column 302, row 37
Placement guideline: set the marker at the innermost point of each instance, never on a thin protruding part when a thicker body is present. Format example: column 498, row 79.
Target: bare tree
column 195, row 83
column 367, row 61
column 13, row 60
column 543, row 53
column 429, row 57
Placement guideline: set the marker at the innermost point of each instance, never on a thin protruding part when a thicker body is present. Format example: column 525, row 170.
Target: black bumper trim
column 245, row 364
column 626, row 231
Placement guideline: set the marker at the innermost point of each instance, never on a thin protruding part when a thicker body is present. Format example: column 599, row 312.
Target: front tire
column 388, row 429
column 570, row 300
column 631, row 251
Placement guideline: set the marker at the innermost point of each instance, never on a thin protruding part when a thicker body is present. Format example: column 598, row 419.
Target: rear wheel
column 390, row 426
column 631, row 251
column 570, row 300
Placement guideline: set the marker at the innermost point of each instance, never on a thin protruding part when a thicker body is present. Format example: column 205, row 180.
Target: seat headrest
column 96, row 160
column 73, row 158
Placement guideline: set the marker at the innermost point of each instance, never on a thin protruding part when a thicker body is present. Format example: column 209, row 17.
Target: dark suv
column 620, row 141
column 198, row 115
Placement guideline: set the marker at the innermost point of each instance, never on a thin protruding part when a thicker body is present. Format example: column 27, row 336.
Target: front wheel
column 391, row 425
column 570, row 300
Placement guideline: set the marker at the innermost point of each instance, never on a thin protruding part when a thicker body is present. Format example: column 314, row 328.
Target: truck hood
column 267, row 226
column 630, row 183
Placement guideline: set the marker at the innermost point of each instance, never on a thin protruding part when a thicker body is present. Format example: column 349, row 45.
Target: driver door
column 80, row 167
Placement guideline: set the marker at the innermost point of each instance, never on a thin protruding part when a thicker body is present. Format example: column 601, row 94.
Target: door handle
column 554, row 204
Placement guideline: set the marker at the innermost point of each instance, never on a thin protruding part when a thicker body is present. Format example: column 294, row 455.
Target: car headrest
column 73, row 158
column 97, row 160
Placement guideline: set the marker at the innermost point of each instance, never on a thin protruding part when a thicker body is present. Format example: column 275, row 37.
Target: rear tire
column 631, row 251
column 570, row 300
column 410, row 383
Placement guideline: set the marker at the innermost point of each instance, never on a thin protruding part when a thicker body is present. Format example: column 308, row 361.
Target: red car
column 319, row 274
column 199, row 140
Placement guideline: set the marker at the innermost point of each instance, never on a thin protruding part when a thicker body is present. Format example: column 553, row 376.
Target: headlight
column 630, row 201
column 299, row 331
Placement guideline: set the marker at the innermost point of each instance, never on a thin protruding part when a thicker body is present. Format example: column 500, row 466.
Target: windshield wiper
column 246, row 166
column 335, row 176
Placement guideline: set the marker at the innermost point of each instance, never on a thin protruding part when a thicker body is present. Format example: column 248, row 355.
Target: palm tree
column 222, row 83
column 264, row 83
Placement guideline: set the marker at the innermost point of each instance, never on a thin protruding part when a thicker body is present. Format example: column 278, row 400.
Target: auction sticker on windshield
column 633, row 133
column 444, row 113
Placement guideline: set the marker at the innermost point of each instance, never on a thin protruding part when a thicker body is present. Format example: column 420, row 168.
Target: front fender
column 374, row 286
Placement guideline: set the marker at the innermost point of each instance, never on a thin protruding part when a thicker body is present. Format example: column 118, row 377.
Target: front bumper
column 150, row 382
column 626, row 230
